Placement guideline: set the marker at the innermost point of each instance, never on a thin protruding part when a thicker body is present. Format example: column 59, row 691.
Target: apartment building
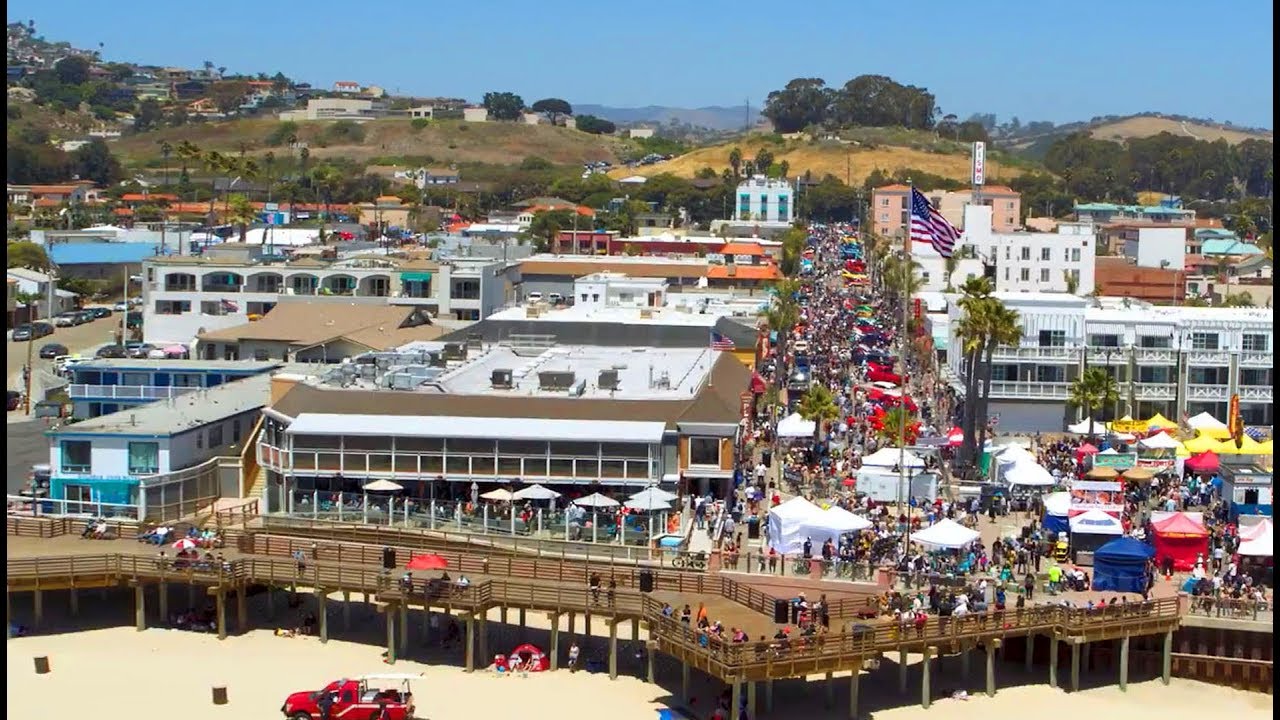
column 889, row 212
column 765, row 200
column 230, row 285
column 337, row 108
column 105, row 386
column 1174, row 360
column 1102, row 212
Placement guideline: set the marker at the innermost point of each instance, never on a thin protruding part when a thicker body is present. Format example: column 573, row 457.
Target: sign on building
column 979, row 163
column 1096, row 495
column 1120, row 462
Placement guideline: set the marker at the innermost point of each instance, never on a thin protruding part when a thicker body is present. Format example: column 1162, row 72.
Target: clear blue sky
column 1038, row 61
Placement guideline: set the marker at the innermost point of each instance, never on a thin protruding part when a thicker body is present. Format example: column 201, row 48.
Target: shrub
column 344, row 132
column 420, row 123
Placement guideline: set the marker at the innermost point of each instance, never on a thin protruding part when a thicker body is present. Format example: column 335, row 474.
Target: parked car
column 49, row 351
column 111, row 352
column 13, row 401
column 121, row 306
column 32, row 331
column 70, row 318
column 136, row 349
column 100, row 311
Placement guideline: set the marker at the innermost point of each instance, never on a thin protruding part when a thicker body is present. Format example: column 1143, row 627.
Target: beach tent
column 1093, row 528
column 1180, row 537
column 945, row 533
column 1204, row 462
column 1205, row 421
column 786, row 524
column 1056, row 508
column 1200, row 444
column 1121, row 565
column 830, row 524
column 1159, row 441
column 1161, row 422
column 1261, row 544
column 889, row 457
column 1088, row 426
column 531, row 658
column 1030, row 474
column 794, row 426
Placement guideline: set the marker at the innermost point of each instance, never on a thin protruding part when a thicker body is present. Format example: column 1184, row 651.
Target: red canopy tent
column 758, row 385
column 1084, row 451
column 532, row 659
column 1205, row 462
column 1181, row 538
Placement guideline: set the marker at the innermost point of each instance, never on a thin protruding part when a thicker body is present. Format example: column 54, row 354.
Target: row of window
column 1249, row 342
column 1250, row 377
column 144, row 457
column 1024, row 275
column 936, row 201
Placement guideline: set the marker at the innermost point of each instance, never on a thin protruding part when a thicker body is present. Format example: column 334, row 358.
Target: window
column 1155, row 341
column 1254, row 342
column 782, row 209
column 1025, row 253
column 235, row 430
column 704, row 451
column 1107, row 340
column 1008, row 205
column 1050, row 373
column 144, row 458
column 1008, row 220
column 1006, row 273
column 1204, row 341
column 1008, row 252
column 924, row 277
column 1025, row 275
column 1044, row 254
column 77, row 456
column 1075, row 254
column 584, row 297
column 1044, row 275
column 1075, row 277
column 215, row 436
column 1207, row 376
column 261, row 355
column 1053, row 338
column 1154, row 374
column 744, row 203
column 1256, row 376
column 884, row 202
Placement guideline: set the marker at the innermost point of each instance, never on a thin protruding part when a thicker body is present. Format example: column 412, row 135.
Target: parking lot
column 81, row 339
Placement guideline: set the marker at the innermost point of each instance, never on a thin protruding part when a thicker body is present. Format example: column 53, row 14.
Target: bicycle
column 696, row 561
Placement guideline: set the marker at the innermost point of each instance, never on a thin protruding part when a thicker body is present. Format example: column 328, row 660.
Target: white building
column 333, row 108
column 1023, row 261
column 1173, row 360
column 764, row 199
column 1163, row 247
column 53, row 300
column 606, row 289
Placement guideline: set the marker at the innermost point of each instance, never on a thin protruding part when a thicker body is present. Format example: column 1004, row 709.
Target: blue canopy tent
column 1121, row 565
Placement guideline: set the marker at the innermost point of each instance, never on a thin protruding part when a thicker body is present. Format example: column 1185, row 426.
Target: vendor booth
column 1121, row 565
column 794, row 426
column 1092, row 529
column 830, row 524
column 1057, row 506
column 1179, row 536
column 1260, row 542
column 945, row 534
column 1247, row 490
column 787, row 522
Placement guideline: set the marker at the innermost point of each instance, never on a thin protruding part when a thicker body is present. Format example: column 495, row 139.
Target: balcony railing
column 1045, row 354
column 1149, row 356
column 1030, row 390
column 1155, row 391
column 1256, row 359
column 1207, row 392
column 127, row 392
column 1256, row 393
column 1208, row 357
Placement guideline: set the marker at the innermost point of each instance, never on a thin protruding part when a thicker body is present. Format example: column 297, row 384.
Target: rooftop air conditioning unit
column 455, row 351
column 609, row 380
column 502, row 379
column 555, row 380
column 578, row 388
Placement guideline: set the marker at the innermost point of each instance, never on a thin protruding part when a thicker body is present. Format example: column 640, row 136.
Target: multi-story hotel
column 464, row 413
column 233, row 283
column 1173, row 360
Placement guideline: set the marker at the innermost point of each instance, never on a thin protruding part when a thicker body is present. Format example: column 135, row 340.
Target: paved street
column 27, row 446
column 82, row 339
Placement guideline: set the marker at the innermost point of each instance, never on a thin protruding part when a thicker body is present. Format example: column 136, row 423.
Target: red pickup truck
column 356, row 699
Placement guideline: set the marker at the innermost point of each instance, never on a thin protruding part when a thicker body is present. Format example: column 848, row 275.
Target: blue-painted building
column 101, row 260
column 1246, row 489
column 102, row 387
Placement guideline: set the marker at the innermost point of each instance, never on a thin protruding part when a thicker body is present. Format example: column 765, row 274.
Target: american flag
column 928, row 225
column 721, row 342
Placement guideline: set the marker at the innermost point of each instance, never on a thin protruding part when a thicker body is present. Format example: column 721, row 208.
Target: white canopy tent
column 1249, row 532
column 596, row 500
column 536, row 492
column 1057, row 504
column 890, row 457
column 830, row 524
column 1095, row 522
column 794, row 426
column 1159, row 441
column 1015, row 454
column 1030, row 474
column 1088, row 426
column 1262, row 544
column 786, row 524
column 945, row 533
column 1205, row 421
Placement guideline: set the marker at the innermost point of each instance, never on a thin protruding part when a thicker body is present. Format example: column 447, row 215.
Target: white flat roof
column 480, row 428
column 617, row 315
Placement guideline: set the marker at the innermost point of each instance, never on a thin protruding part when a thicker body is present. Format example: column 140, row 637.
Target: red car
column 358, row 699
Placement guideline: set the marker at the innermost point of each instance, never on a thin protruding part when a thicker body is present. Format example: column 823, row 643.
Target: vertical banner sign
column 1234, row 424
column 979, row 163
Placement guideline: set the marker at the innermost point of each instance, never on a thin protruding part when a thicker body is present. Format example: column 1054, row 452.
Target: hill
column 441, row 142
column 841, row 158
column 1147, row 125
column 714, row 117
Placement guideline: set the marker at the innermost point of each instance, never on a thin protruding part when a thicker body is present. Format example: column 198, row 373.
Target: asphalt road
column 27, row 446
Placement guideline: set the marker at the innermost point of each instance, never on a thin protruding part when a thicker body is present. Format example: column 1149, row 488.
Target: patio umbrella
column 536, row 492
column 647, row 503
column 429, row 561
column 1102, row 473
column 955, row 437
column 1137, row 474
column 501, row 494
column 654, row 492
column 383, row 486
column 185, row 544
column 596, row 500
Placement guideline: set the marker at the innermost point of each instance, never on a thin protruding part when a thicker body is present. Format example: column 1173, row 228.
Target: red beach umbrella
column 427, row 562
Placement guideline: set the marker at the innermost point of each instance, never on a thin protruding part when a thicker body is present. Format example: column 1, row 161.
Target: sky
column 1037, row 61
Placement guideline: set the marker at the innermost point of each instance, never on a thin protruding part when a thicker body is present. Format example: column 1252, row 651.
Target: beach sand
column 170, row 673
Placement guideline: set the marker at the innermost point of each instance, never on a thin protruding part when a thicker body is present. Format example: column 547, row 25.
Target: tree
column 972, row 332
column 547, row 226
column 1003, row 328
column 594, row 125
column 148, row 116
column 802, row 103
column 553, row 108
column 241, row 212
column 228, row 95
column 897, row 426
column 95, row 162
column 1094, row 389
column 818, row 406
column 735, row 162
column 503, row 105
column 764, row 159
column 72, row 70
column 28, row 255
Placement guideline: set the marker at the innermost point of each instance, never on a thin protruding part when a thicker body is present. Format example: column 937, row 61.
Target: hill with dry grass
column 442, row 142
column 1146, row 126
column 847, row 159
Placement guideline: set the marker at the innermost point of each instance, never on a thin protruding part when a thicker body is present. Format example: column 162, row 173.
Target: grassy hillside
column 876, row 149
column 444, row 142
column 1142, row 126
column 60, row 126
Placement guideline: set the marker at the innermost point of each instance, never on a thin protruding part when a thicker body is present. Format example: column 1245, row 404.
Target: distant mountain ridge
column 715, row 117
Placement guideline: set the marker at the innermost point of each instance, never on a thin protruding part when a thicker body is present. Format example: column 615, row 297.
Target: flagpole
column 902, row 354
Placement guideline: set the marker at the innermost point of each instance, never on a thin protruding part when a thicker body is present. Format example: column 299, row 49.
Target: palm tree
column 218, row 164
column 1073, row 282
column 1003, row 328
column 735, row 162
column 972, row 331
column 189, row 154
column 818, row 406
column 241, row 212
column 782, row 316
column 1093, row 389
column 325, row 179
column 895, row 426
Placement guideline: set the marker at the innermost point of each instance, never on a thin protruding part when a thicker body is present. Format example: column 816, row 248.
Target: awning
column 415, row 277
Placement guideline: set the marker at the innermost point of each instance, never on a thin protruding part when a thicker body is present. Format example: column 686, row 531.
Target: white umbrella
column 654, row 492
column 1015, row 454
column 536, row 492
column 648, row 503
column 383, row 486
column 499, row 494
column 596, row 500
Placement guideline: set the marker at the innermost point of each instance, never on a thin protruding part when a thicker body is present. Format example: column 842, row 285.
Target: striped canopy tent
column 1161, row 422
column 1201, row 444
column 1248, row 446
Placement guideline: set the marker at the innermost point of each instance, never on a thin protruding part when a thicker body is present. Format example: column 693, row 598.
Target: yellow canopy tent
column 1181, row 451
column 1248, row 446
column 1217, row 433
column 1201, row 444
column 1162, row 422
column 1264, row 448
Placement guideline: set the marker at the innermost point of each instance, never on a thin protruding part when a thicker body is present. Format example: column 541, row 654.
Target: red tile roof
column 742, row 248
column 144, row 197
